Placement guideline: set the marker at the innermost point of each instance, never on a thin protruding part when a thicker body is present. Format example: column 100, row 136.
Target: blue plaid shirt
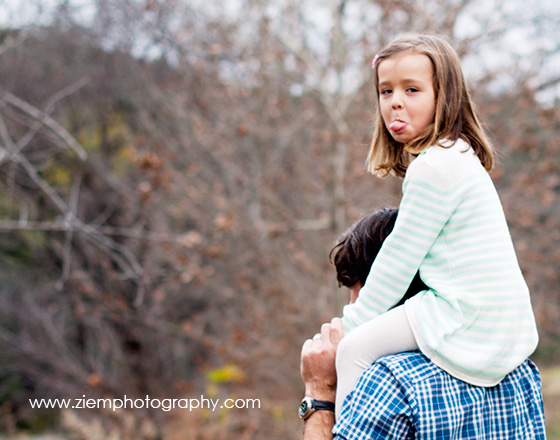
column 405, row 396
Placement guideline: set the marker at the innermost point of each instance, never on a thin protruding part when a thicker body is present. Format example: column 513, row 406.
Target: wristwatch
column 309, row 406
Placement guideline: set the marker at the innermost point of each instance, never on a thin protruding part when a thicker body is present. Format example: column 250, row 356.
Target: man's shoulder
column 413, row 368
column 410, row 367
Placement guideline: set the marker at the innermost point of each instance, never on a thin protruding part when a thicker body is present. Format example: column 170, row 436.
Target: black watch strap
column 309, row 406
column 321, row 404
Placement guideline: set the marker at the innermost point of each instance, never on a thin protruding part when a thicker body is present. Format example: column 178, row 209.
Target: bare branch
column 24, row 140
column 73, row 211
column 50, row 123
column 65, row 226
column 119, row 253
column 547, row 84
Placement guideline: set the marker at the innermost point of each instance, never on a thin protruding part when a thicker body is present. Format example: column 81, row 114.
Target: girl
column 475, row 321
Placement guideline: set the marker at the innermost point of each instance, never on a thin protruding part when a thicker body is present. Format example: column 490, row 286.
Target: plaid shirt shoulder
column 406, row 396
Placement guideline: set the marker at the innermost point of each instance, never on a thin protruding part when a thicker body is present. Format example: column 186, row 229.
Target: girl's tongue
column 397, row 126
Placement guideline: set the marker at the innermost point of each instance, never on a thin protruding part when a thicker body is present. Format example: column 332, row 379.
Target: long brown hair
column 454, row 117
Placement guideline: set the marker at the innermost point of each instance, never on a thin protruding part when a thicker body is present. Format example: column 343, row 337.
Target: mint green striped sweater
column 476, row 321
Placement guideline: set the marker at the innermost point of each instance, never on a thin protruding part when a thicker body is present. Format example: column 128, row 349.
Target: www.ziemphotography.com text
column 147, row 402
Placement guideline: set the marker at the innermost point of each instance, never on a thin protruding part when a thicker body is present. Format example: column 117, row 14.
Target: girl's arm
column 425, row 208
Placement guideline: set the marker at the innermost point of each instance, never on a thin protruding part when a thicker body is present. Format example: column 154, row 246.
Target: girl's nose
column 397, row 102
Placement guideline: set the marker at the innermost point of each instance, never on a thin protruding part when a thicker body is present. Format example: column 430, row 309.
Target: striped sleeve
column 425, row 208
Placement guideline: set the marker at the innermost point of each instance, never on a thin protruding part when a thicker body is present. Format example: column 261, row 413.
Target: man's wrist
column 310, row 406
column 325, row 394
column 319, row 426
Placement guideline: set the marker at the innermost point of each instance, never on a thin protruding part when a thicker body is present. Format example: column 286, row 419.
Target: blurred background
column 174, row 173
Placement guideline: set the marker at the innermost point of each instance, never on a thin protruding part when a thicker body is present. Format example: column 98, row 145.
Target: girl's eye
column 386, row 91
column 412, row 89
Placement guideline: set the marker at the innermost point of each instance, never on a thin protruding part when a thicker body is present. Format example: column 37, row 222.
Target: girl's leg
column 389, row 333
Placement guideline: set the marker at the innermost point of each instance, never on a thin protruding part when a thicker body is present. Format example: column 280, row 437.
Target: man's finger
column 326, row 331
column 336, row 330
column 306, row 347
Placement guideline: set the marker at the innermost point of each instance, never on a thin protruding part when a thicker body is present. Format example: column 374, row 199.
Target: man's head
column 356, row 249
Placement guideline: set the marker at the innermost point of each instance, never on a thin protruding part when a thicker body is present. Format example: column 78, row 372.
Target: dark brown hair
column 356, row 249
column 454, row 117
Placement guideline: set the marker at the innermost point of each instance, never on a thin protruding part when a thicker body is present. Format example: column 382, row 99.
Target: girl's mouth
column 398, row 126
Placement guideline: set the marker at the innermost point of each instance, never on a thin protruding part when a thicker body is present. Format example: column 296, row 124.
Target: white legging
column 389, row 333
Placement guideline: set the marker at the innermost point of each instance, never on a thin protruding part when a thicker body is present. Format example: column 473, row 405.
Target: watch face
column 303, row 408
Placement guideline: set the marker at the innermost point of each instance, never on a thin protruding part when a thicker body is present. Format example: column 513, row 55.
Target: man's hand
column 318, row 371
column 318, row 355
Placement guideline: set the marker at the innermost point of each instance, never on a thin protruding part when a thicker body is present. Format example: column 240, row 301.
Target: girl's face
column 406, row 94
